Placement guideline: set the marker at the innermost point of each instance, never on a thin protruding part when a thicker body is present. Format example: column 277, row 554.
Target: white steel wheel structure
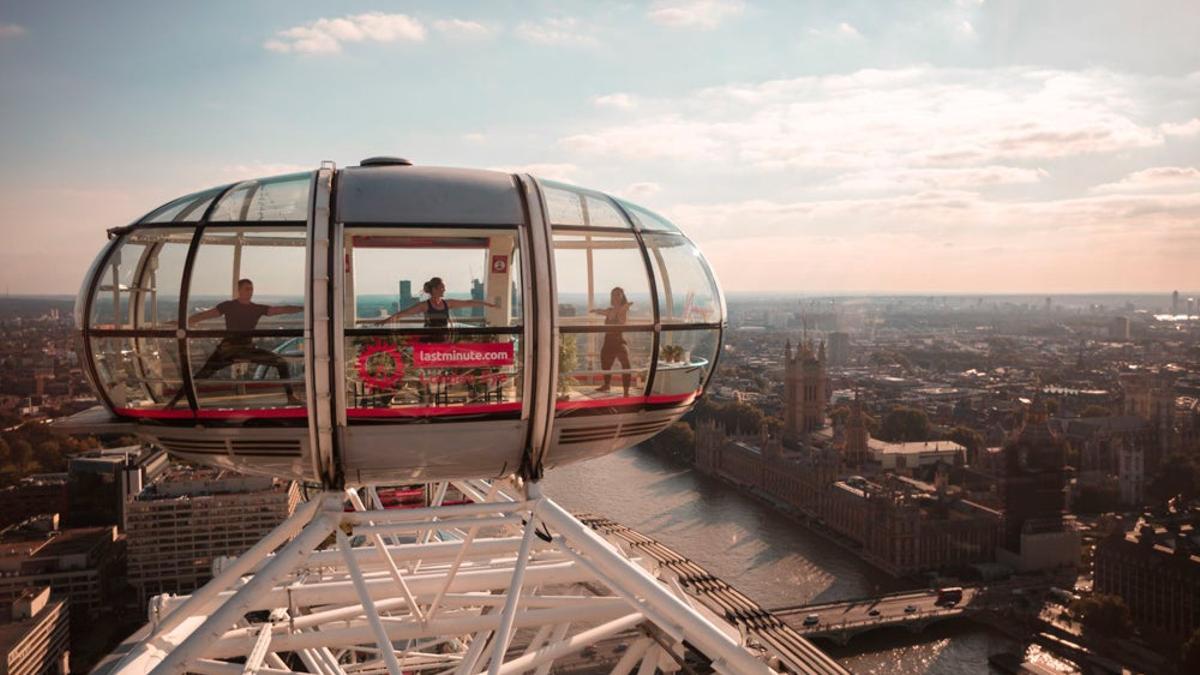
column 278, row 326
column 508, row 584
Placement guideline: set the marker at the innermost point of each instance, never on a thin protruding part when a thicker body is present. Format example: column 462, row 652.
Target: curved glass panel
column 85, row 286
column 388, row 270
column 278, row 198
column 424, row 376
column 603, row 368
column 565, row 206
column 646, row 219
column 139, row 286
column 139, row 374
column 247, row 280
column 187, row 209
column 687, row 292
column 590, row 268
column 685, row 358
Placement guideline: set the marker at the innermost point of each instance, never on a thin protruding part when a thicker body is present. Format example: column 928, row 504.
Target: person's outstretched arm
column 203, row 316
column 409, row 311
column 285, row 309
column 455, row 304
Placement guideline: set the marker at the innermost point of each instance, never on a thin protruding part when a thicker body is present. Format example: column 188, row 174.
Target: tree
column 1051, row 406
column 5, row 452
column 677, row 441
column 22, row 454
column 1105, row 614
column 1176, row 475
column 904, row 424
column 968, row 438
column 1095, row 411
column 49, row 454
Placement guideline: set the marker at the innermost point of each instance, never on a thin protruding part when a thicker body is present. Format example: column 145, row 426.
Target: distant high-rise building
column 1048, row 305
column 804, row 389
column 406, row 297
column 477, row 294
column 1118, row 328
column 1175, row 303
column 839, row 348
column 1191, row 307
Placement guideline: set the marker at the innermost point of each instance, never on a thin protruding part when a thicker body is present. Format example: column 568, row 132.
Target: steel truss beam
column 510, row 584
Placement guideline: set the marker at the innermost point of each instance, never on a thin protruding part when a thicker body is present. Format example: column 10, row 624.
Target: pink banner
column 462, row 354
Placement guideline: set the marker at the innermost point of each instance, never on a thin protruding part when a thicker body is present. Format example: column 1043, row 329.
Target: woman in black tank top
column 437, row 309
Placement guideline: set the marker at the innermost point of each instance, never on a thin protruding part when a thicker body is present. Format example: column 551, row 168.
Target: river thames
column 766, row 555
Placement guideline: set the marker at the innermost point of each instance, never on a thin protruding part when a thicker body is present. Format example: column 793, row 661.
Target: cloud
column 551, row 171
column 326, row 36
column 920, row 117
column 474, row 137
column 641, row 190
column 566, row 31
column 462, row 29
column 618, row 100
column 965, row 30
column 936, row 178
column 1155, row 180
column 698, row 14
column 949, row 241
column 843, row 31
column 1189, row 128
column 11, row 30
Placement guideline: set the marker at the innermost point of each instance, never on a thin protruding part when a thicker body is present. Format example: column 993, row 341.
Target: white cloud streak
column 11, row 30
column 919, row 117
column 617, row 100
column 564, row 31
column 1156, row 180
column 694, row 14
column 326, row 36
column 462, row 29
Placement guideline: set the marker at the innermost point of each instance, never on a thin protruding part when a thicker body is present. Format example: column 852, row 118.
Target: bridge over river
column 842, row 620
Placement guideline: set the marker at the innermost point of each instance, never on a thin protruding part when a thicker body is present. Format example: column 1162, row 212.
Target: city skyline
column 955, row 146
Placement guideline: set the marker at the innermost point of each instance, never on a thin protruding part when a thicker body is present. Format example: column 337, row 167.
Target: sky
column 928, row 146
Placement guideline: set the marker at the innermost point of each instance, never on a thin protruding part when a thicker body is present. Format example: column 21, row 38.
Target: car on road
column 873, row 612
column 909, row 609
column 812, row 620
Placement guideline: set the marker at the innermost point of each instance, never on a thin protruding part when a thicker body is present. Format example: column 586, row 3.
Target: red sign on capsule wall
column 499, row 264
column 463, row 355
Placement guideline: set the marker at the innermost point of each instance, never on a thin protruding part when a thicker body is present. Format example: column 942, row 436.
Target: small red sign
column 462, row 355
column 499, row 264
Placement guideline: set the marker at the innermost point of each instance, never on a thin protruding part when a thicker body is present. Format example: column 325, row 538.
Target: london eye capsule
column 387, row 322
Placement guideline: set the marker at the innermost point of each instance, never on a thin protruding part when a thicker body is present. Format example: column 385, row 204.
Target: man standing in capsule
column 242, row 315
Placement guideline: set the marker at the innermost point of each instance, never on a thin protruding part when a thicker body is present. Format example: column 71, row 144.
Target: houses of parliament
column 868, row 493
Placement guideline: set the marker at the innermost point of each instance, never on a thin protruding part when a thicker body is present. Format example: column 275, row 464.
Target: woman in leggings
column 614, row 347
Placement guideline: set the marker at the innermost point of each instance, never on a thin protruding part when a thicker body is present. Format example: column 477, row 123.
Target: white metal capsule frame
column 386, row 323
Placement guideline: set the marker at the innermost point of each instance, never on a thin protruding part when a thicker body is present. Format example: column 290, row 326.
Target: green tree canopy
column 904, row 424
column 1095, row 411
column 1105, row 614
